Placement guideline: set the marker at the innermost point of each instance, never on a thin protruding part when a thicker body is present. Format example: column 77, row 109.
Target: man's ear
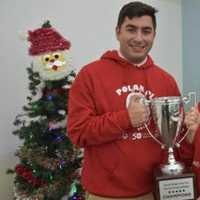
column 117, row 31
column 154, row 34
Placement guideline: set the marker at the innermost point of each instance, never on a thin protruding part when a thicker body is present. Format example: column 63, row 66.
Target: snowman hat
column 46, row 39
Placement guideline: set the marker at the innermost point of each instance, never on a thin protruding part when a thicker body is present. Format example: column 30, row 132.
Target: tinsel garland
column 45, row 192
column 39, row 156
column 22, row 195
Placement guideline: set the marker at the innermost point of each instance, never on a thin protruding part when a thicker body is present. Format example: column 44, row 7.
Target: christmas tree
column 49, row 165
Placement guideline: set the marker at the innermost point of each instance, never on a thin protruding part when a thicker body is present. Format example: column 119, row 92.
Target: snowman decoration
column 50, row 52
column 51, row 60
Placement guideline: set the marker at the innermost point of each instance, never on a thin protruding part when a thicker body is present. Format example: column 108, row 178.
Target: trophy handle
column 146, row 102
column 186, row 99
column 158, row 141
column 179, row 142
column 191, row 96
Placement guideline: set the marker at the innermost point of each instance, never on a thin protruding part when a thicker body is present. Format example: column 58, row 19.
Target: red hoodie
column 118, row 160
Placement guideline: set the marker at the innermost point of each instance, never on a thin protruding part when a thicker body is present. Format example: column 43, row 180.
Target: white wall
column 191, row 46
column 89, row 25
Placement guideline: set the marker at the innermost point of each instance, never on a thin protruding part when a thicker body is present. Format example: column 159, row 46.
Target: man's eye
column 131, row 30
column 147, row 31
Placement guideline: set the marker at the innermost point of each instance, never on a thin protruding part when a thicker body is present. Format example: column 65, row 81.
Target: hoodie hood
column 114, row 56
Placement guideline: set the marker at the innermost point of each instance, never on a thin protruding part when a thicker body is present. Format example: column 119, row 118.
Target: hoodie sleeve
column 189, row 152
column 191, row 155
column 186, row 152
column 85, row 127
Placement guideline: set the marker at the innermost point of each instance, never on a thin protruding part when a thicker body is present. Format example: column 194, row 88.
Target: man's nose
column 138, row 36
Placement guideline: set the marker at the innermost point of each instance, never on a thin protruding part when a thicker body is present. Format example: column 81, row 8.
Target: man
column 106, row 119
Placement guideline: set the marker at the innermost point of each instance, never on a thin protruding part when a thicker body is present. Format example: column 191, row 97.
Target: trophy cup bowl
column 168, row 116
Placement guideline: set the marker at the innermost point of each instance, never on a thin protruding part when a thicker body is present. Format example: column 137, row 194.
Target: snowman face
column 53, row 61
column 53, row 65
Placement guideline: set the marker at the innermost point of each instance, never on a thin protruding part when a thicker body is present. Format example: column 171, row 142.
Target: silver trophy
column 172, row 179
column 168, row 113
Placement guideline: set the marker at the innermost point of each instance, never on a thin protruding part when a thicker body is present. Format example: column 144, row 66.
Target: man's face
column 136, row 38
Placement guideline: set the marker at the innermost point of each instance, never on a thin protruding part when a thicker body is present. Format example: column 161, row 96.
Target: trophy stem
column 173, row 167
column 171, row 158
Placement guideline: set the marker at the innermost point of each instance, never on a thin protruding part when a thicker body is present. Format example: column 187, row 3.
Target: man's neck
column 136, row 64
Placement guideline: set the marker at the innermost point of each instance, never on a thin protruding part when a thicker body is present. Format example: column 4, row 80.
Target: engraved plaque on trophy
column 172, row 180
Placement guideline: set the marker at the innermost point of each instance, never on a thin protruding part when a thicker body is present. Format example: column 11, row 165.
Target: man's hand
column 192, row 121
column 138, row 112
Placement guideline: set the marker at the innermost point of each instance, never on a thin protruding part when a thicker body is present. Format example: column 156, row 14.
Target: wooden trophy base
column 175, row 187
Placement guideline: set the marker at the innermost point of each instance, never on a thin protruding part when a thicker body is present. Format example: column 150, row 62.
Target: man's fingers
column 135, row 98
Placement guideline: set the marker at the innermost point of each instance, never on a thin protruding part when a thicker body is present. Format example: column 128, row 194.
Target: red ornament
column 28, row 176
column 54, row 91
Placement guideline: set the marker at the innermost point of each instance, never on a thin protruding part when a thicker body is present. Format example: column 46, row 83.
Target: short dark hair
column 136, row 9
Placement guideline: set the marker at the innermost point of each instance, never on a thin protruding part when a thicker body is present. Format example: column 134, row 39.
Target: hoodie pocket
column 108, row 156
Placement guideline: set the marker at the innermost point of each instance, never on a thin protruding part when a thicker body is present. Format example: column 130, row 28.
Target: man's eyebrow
column 133, row 26
column 147, row 27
